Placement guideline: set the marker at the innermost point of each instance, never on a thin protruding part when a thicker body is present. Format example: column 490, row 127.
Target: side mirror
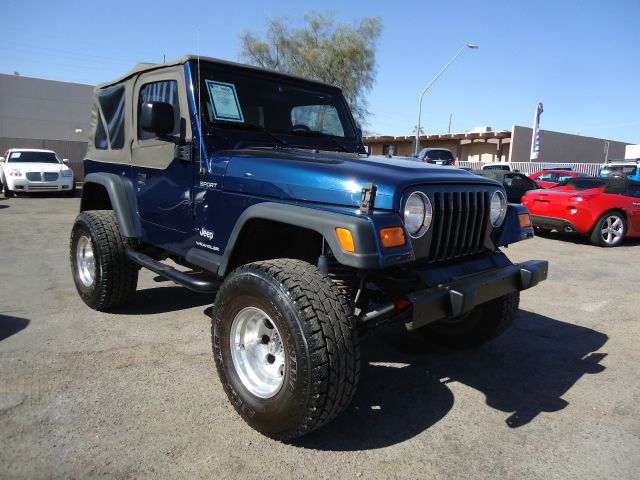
column 65, row 160
column 1, row 159
column 157, row 117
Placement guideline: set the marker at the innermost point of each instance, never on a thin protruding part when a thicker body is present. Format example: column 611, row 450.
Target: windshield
column 439, row 155
column 626, row 169
column 33, row 157
column 245, row 100
column 496, row 167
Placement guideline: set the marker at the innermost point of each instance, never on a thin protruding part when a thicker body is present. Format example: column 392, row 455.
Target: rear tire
column 104, row 276
column 291, row 318
column 484, row 323
column 609, row 230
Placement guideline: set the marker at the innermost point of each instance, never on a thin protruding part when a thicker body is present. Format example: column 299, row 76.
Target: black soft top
column 610, row 184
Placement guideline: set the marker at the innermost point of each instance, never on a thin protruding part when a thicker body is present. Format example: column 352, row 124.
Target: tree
column 338, row 54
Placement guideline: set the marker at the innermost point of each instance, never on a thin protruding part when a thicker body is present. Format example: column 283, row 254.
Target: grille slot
column 459, row 225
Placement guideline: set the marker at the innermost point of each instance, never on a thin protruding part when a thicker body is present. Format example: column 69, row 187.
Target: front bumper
column 460, row 296
column 21, row 184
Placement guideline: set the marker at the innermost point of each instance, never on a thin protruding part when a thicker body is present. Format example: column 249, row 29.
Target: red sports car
column 607, row 209
column 551, row 178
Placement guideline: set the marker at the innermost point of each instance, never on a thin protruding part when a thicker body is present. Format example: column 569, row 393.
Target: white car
column 29, row 170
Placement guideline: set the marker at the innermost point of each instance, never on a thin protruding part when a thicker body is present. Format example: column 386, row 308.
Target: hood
column 36, row 167
column 332, row 177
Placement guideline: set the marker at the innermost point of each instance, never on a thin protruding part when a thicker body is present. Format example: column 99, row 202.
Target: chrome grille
column 459, row 224
column 38, row 176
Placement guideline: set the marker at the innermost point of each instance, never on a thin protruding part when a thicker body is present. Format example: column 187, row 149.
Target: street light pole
column 417, row 146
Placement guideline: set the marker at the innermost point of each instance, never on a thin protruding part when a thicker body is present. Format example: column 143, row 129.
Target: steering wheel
column 300, row 127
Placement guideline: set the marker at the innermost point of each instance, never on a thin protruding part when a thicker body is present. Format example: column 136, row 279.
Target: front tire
column 8, row 193
column 609, row 230
column 284, row 347
column 105, row 278
column 484, row 323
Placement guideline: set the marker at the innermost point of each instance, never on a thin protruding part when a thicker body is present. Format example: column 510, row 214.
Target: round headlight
column 498, row 208
column 417, row 214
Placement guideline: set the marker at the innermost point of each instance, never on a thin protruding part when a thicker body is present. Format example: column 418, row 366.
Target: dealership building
column 39, row 113
column 48, row 114
column 485, row 145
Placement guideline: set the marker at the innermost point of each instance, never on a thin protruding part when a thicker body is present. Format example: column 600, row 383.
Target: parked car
column 437, row 156
column 516, row 184
column 551, row 178
column 259, row 183
column 31, row 170
column 606, row 209
column 498, row 166
column 621, row 168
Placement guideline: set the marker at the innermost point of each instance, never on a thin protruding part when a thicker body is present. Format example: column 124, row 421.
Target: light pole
column 417, row 146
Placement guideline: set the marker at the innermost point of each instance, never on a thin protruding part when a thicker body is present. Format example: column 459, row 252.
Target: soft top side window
column 163, row 91
column 111, row 107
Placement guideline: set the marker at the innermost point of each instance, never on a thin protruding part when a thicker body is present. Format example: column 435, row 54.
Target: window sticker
column 224, row 100
column 16, row 155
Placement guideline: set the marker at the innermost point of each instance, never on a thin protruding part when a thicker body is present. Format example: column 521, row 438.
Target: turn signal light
column 346, row 239
column 392, row 237
column 525, row 220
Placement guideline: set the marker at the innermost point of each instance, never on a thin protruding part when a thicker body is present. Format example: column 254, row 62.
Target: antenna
column 202, row 171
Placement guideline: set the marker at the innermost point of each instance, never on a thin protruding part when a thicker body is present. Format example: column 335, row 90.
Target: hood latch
column 367, row 198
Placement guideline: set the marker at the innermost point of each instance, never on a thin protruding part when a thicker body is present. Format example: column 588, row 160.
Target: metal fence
column 532, row 167
column 74, row 151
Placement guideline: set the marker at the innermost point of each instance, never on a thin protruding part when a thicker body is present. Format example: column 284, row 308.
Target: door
column 163, row 181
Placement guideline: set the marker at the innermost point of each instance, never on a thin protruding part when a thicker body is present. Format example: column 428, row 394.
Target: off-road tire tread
column 119, row 279
column 328, row 325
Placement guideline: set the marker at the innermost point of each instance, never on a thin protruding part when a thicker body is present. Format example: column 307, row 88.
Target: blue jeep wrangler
column 255, row 187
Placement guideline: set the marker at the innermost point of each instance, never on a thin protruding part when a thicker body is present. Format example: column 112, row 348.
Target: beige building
column 484, row 145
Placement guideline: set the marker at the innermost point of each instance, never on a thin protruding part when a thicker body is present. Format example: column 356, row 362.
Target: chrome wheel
column 257, row 352
column 612, row 230
column 85, row 261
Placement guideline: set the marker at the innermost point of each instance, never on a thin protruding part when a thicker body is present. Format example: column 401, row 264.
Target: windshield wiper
column 317, row 133
column 251, row 126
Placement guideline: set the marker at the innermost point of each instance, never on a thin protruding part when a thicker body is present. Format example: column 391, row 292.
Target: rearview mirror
column 157, row 117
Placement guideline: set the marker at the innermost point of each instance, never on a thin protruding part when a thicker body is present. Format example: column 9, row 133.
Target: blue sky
column 581, row 58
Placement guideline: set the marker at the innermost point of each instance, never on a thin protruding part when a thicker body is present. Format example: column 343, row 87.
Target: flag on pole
column 535, row 137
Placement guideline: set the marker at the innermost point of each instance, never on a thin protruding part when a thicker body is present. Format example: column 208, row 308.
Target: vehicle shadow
column 584, row 239
column 156, row 300
column 404, row 381
column 4, row 206
column 11, row 325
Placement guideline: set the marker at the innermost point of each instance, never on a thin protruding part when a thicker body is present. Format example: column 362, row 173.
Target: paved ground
column 134, row 394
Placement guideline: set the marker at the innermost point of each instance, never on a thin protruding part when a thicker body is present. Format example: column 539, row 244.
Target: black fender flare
column 321, row 221
column 123, row 201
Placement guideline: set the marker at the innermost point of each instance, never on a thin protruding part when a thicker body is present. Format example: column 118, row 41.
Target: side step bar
column 196, row 283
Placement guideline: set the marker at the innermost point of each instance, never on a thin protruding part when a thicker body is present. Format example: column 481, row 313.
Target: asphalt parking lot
column 134, row 393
